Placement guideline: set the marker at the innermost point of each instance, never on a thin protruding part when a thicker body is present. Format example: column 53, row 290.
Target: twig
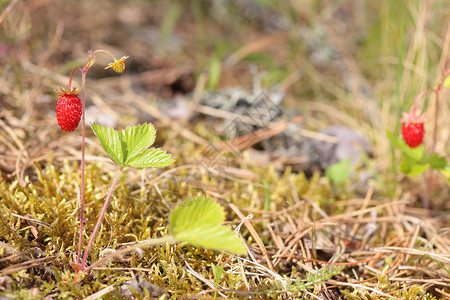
column 253, row 233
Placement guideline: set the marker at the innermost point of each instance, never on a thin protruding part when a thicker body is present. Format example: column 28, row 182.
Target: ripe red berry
column 413, row 133
column 68, row 110
column 412, row 127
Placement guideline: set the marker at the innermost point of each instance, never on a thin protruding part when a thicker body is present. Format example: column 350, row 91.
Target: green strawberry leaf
column 136, row 138
column 412, row 169
column 128, row 147
column 149, row 158
column 198, row 222
column 416, row 154
column 109, row 139
column 436, row 161
column 413, row 154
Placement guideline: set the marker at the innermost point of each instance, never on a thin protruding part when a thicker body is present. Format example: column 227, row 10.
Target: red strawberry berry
column 413, row 134
column 412, row 128
column 68, row 110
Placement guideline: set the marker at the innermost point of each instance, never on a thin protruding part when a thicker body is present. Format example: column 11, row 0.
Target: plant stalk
column 83, row 154
column 100, row 218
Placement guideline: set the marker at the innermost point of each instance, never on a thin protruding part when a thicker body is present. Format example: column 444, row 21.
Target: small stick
column 253, row 233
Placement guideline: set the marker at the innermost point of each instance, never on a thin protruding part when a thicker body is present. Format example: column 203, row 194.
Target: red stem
column 84, row 71
column 100, row 218
column 417, row 100
column 83, row 129
column 71, row 77
column 104, row 51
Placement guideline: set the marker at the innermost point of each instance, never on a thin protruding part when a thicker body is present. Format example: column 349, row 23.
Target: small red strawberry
column 412, row 128
column 68, row 110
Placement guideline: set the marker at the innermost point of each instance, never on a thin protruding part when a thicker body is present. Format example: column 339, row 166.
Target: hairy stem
column 83, row 154
column 71, row 77
column 100, row 218
column 104, row 51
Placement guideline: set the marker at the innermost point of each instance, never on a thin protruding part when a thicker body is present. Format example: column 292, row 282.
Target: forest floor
column 368, row 232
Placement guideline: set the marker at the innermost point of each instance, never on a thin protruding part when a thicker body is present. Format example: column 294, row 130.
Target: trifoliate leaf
column 109, row 138
column 136, row 138
column 150, row 158
column 128, row 147
column 198, row 222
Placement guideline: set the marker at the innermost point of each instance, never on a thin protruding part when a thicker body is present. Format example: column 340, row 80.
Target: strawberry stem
column 69, row 86
column 83, row 154
column 100, row 218
column 84, row 69
column 413, row 109
column 105, row 51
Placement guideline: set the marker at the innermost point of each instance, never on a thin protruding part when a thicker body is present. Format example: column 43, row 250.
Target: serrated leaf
column 128, row 147
column 150, row 158
column 109, row 139
column 418, row 169
column 416, row 154
column 198, row 222
column 216, row 238
column 136, row 138
column 413, row 170
column 195, row 212
column 436, row 161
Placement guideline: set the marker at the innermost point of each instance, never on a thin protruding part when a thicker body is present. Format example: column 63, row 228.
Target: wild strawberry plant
column 415, row 160
column 196, row 221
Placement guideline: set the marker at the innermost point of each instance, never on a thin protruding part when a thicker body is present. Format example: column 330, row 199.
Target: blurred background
column 357, row 64
column 328, row 78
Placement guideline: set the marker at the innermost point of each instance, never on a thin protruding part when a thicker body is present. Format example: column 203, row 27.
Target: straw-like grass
column 337, row 63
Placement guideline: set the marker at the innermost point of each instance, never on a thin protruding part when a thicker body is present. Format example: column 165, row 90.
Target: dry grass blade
column 253, row 232
column 27, row 265
column 347, row 63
